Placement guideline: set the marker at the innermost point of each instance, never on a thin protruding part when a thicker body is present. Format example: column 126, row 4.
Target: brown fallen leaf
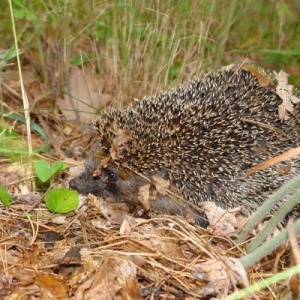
column 86, row 96
column 161, row 185
column 115, row 279
column 220, row 275
column 285, row 92
column 70, row 261
column 52, row 286
column 122, row 137
column 144, row 196
column 126, row 227
column 223, row 222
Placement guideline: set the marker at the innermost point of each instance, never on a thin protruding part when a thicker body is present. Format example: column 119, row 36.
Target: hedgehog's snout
column 86, row 183
column 108, row 184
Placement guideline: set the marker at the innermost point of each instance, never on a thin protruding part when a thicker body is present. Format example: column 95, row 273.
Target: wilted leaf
column 224, row 222
column 53, row 286
column 263, row 79
column 143, row 196
column 285, row 92
column 220, row 275
column 115, row 279
column 119, row 142
column 125, row 228
column 161, row 185
column 86, row 96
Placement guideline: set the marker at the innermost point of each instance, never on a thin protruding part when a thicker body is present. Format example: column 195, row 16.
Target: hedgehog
column 198, row 139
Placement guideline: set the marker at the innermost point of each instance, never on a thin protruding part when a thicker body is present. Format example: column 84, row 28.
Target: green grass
column 140, row 47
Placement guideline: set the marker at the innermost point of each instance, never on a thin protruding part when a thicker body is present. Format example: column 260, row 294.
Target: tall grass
column 140, row 46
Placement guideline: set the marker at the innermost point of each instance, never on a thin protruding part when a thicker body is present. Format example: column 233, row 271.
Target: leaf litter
column 86, row 96
column 101, row 251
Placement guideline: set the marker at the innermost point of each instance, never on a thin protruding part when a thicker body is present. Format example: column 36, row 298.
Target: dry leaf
column 70, row 262
column 52, row 286
column 59, row 220
column 143, row 196
column 161, row 185
column 220, row 275
column 12, row 78
column 283, row 170
column 12, row 173
column 263, row 79
column 21, row 274
column 86, row 96
column 114, row 279
column 125, row 228
column 223, row 222
column 122, row 136
column 285, row 92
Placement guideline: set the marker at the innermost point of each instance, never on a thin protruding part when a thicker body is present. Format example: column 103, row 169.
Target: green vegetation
column 62, row 200
column 5, row 197
column 140, row 47
column 45, row 170
column 265, row 283
column 6, row 57
column 58, row 200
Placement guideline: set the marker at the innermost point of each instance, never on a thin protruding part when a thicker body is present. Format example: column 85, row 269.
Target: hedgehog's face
column 109, row 182
column 122, row 184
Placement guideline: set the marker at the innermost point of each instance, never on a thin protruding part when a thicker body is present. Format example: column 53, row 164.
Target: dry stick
column 11, row 91
column 270, row 162
column 295, row 259
column 294, row 242
column 267, row 126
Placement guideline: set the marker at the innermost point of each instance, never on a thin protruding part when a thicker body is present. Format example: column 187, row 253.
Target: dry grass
column 87, row 257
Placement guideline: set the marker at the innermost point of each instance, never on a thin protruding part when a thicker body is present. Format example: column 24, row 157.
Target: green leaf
column 80, row 59
column 9, row 54
column 12, row 144
column 5, row 197
column 62, row 200
column 21, row 118
column 45, row 170
column 23, row 11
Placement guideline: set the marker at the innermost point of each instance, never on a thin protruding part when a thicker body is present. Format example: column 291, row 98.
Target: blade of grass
column 21, row 118
column 264, row 283
column 24, row 95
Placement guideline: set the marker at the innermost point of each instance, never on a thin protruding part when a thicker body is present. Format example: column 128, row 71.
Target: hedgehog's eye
column 112, row 176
